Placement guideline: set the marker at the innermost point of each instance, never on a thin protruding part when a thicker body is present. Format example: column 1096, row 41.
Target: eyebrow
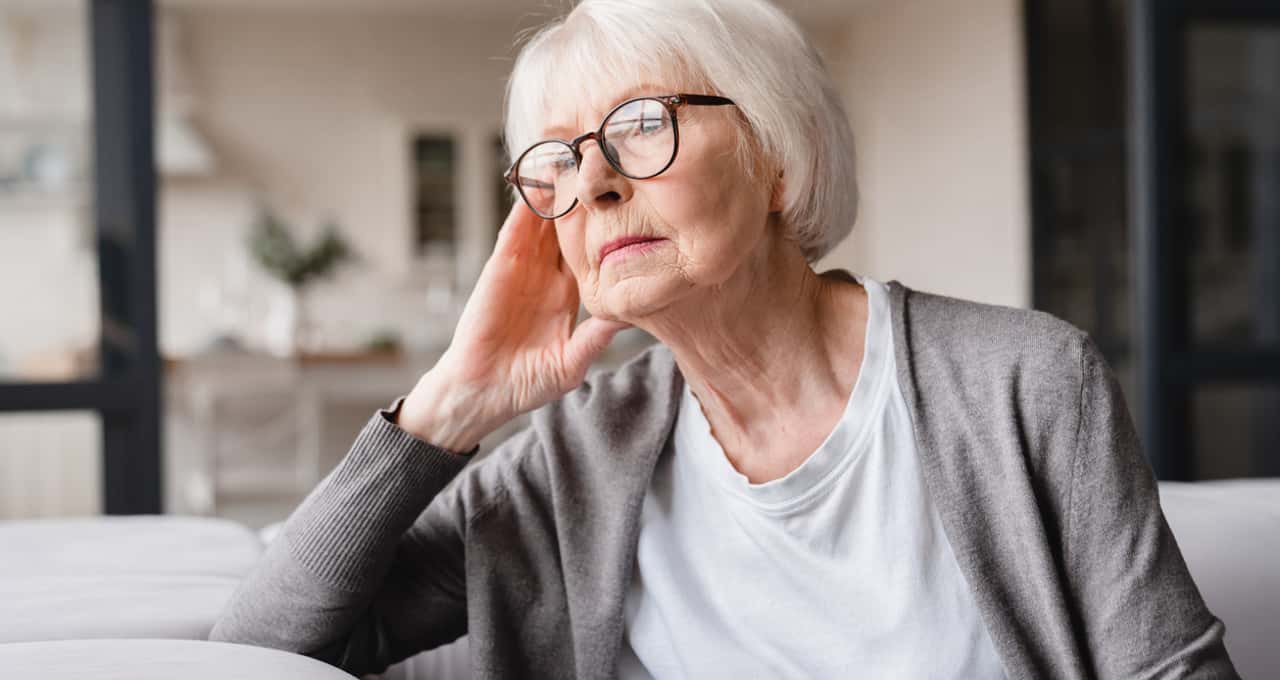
column 633, row 91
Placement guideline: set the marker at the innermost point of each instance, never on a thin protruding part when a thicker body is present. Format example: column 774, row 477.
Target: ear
column 775, row 198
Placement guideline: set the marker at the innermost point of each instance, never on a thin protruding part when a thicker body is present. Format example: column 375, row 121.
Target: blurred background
column 231, row 229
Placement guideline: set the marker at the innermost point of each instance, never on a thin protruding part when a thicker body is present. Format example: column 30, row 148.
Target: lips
column 622, row 243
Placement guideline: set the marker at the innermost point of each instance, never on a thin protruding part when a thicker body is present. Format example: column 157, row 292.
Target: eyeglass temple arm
column 705, row 100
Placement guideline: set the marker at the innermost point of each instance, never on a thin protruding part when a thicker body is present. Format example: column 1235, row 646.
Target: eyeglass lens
column 639, row 140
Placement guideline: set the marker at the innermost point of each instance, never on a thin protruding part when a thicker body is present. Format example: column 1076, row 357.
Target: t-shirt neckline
column 842, row 446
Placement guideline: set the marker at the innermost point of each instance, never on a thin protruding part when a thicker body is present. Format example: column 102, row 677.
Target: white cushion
column 1229, row 533
column 124, row 577
column 119, row 577
column 158, row 660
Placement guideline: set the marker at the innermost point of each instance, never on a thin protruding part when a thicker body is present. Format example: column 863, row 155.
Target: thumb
column 589, row 340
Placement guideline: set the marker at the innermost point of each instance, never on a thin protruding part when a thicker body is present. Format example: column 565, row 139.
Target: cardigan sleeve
column 368, row 570
column 1141, row 613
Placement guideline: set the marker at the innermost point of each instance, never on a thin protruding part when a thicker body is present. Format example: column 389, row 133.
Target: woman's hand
column 515, row 347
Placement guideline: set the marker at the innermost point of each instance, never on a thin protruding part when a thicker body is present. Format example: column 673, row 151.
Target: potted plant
column 272, row 245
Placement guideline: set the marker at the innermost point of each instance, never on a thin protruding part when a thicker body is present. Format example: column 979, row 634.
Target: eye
column 564, row 163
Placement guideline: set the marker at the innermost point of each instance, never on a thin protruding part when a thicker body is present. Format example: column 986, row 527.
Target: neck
column 772, row 354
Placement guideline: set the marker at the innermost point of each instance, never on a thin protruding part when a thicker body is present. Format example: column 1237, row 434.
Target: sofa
column 134, row 597
column 1229, row 533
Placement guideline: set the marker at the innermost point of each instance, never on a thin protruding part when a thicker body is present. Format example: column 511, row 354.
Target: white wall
column 936, row 95
column 311, row 113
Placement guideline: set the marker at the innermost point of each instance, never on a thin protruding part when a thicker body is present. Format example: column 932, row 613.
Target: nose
column 599, row 184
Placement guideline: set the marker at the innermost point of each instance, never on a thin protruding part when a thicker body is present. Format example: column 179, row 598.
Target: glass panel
column 1233, row 100
column 1078, row 127
column 50, row 464
column 1236, row 428
column 49, row 298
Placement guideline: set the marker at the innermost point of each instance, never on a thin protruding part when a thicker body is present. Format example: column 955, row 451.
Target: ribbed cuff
column 352, row 520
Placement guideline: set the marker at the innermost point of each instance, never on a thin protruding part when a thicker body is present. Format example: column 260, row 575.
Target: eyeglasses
column 639, row 138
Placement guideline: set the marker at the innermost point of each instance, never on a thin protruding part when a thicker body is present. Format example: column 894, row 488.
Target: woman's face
column 704, row 212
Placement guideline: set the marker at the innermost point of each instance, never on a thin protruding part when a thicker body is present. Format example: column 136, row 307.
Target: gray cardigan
column 1026, row 446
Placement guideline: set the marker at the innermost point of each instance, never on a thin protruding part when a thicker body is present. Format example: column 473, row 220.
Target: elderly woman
column 810, row 476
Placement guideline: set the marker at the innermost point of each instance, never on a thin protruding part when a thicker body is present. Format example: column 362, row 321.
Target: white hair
column 747, row 50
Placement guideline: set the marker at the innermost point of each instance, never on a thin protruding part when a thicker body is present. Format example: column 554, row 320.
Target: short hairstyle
column 747, row 50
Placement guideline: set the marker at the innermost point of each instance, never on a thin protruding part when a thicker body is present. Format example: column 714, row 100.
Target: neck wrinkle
column 770, row 343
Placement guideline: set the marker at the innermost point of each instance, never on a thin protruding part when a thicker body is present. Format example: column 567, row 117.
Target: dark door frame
column 126, row 392
column 1169, row 367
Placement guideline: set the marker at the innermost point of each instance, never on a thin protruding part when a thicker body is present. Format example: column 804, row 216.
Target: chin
column 639, row 294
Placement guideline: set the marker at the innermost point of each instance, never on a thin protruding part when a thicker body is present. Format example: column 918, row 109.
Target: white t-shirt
column 840, row 569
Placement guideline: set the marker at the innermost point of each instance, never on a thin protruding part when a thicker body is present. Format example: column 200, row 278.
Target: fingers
column 524, row 235
column 514, row 234
column 546, row 252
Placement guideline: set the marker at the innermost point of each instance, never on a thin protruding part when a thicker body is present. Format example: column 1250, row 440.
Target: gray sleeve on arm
column 346, row 581
column 1143, row 616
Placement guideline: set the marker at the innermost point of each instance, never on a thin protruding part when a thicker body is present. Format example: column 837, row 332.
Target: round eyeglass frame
column 671, row 102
